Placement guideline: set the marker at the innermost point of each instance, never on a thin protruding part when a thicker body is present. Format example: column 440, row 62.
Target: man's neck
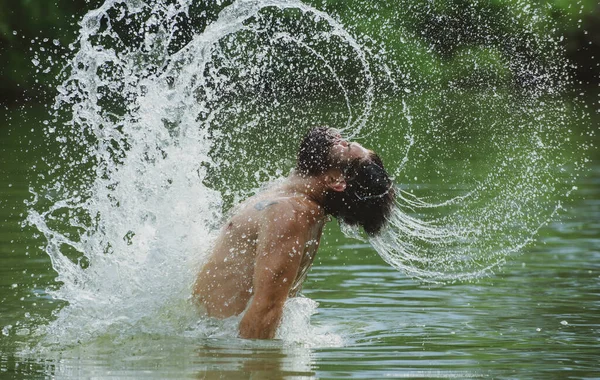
column 311, row 187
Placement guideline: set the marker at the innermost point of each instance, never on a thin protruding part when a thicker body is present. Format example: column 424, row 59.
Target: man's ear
column 336, row 183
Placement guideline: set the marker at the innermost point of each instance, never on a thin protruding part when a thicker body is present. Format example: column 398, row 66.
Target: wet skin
column 264, row 251
column 272, row 229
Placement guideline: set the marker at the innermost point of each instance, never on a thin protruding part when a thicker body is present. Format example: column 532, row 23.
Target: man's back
column 264, row 251
column 273, row 227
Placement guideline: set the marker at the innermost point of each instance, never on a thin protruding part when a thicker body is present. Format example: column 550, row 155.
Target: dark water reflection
column 537, row 317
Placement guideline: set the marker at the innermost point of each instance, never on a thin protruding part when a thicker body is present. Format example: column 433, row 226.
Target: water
column 507, row 326
column 119, row 191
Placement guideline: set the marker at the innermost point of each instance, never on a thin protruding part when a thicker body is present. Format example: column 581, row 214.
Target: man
column 265, row 249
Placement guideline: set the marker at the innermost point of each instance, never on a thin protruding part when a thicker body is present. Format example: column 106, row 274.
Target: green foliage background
column 459, row 42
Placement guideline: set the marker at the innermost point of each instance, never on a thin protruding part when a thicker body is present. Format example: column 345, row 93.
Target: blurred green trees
column 459, row 42
column 27, row 28
column 470, row 42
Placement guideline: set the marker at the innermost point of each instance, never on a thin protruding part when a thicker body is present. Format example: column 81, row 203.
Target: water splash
column 162, row 125
column 151, row 128
column 467, row 215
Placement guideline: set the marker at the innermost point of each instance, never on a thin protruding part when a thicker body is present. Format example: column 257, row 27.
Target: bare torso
column 224, row 285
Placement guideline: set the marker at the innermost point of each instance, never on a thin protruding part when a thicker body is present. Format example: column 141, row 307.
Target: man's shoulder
column 276, row 206
column 258, row 207
column 286, row 210
column 268, row 203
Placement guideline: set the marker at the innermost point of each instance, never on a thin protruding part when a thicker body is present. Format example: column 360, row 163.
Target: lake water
column 490, row 267
column 536, row 317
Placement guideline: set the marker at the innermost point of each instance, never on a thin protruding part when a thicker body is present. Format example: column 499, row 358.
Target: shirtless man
column 264, row 251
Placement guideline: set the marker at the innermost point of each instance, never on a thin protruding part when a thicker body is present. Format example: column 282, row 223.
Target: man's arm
column 279, row 253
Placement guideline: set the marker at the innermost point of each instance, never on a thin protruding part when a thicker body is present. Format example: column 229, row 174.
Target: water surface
column 536, row 317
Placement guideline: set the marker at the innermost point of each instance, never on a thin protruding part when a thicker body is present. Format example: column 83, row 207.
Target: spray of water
column 468, row 216
column 155, row 129
column 163, row 124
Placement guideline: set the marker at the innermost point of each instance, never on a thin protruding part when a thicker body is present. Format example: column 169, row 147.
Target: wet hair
column 368, row 198
column 314, row 153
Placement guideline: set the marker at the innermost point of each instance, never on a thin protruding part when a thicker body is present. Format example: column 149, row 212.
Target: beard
column 367, row 200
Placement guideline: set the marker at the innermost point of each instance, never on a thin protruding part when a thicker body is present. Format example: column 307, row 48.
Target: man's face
column 345, row 151
column 367, row 197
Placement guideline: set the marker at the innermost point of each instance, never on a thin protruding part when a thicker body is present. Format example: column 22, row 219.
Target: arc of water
column 231, row 20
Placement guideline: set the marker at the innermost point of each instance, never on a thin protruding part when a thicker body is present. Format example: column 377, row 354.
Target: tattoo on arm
column 264, row 204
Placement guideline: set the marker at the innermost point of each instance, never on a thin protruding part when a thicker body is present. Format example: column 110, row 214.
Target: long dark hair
column 368, row 198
